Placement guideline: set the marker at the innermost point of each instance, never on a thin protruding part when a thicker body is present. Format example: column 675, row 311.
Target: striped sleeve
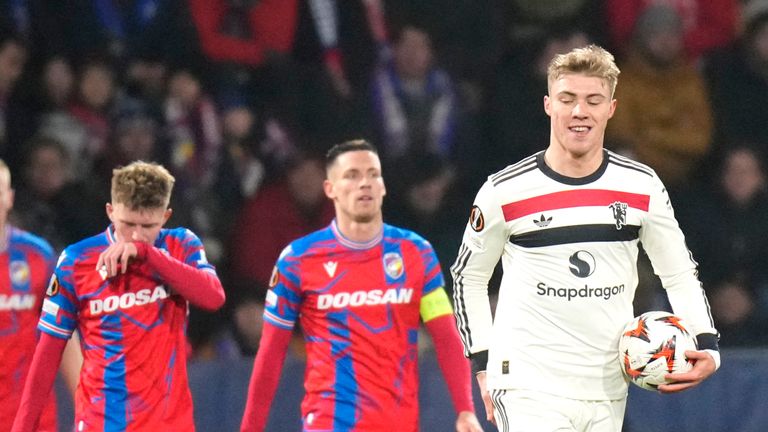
column 60, row 308
column 283, row 301
column 481, row 248
column 665, row 244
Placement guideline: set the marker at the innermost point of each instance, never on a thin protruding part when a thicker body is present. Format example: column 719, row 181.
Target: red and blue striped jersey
column 132, row 331
column 27, row 263
column 359, row 308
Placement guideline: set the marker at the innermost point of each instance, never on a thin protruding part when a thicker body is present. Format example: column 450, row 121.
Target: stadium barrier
column 734, row 400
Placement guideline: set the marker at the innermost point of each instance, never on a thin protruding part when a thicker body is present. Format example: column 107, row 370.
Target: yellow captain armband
column 435, row 304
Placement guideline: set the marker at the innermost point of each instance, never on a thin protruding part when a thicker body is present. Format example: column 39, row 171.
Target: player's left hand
column 467, row 422
column 115, row 258
column 703, row 367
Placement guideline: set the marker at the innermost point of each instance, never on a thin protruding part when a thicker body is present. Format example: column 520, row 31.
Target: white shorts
column 531, row 411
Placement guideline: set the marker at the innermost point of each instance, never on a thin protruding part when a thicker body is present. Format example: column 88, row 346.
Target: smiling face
column 579, row 107
column 356, row 186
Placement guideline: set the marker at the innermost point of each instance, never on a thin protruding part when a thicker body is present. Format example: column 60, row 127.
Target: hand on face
column 116, row 257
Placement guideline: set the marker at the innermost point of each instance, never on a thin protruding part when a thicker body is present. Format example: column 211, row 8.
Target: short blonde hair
column 142, row 185
column 590, row 60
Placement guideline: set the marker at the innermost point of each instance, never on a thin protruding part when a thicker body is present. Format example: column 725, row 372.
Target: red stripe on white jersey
column 573, row 198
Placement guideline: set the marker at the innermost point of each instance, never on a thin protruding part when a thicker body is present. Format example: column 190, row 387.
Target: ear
column 110, row 210
column 167, row 215
column 547, row 105
column 328, row 189
column 613, row 108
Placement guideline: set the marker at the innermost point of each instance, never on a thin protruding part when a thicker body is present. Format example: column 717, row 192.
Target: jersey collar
column 353, row 244
column 573, row 181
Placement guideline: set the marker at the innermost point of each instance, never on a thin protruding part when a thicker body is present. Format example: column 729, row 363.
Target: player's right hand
column 486, row 398
column 704, row 366
column 114, row 259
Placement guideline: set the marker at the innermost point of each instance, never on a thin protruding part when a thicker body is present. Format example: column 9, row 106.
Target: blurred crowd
column 241, row 98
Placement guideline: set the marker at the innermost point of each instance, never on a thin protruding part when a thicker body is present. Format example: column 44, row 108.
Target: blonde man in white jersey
column 566, row 223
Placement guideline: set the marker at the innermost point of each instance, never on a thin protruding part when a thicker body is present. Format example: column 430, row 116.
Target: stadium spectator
column 193, row 129
column 362, row 361
column 707, row 24
column 727, row 229
column 428, row 190
column 124, row 29
column 51, row 202
column 738, row 81
column 413, row 100
column 248, row 44
column 57, row 84
column 126, row 291
column 92, row 109
column 665, row 117
column 135, row 136
column 13, row 58
column 284, row 210
column 346, row 38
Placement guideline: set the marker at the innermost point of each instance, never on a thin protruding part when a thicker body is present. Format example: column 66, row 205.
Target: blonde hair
column 590, row 60
column 142, row 185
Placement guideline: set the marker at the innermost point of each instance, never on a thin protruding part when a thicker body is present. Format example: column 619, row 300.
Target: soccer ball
column 653, row 345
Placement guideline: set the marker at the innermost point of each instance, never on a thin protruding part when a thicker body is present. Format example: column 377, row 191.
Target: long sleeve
column 265, row 377
column 672, row 261
column 39, row 383
column 481, row 248
column 454, row 366
column 200, row 287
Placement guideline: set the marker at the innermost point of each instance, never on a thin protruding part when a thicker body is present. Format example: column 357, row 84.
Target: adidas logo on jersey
column 543, row 222
column 17, row 302
column 127, row 300
column 364, row 298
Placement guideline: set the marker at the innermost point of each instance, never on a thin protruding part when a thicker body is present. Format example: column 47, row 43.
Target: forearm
column 71, row 363
column 201, row 288
column 39, row 382
column 453, row 364
column 471, row 301
column 265, row 377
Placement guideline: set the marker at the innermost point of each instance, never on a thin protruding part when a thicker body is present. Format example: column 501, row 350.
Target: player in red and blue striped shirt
column 126, row 292
column 359, row 290
column 26, row 263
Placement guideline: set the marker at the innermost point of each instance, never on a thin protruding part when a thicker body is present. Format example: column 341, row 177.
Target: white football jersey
column 569, row 249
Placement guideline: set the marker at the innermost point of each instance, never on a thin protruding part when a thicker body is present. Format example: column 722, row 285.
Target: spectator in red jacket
column 277, row 214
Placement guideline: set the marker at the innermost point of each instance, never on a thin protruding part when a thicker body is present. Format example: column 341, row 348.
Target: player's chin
column 364, row 217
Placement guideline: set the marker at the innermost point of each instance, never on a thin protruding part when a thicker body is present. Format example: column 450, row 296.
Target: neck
column 573, row 165
column 360, row 232
column 3, row 235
